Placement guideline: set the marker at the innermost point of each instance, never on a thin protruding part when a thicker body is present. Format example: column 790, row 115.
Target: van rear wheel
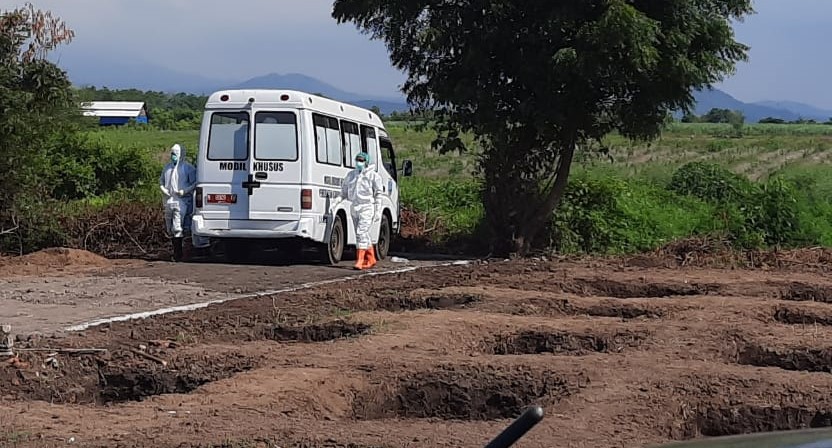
column 384, row 234
column 333, row 250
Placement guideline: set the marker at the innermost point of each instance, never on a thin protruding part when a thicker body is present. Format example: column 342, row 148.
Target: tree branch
column 537, row 218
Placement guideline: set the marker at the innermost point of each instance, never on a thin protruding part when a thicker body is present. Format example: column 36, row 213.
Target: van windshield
column 228, row 138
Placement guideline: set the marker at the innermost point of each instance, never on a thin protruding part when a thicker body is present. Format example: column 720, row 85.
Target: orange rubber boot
column 360, row 262
column 370, row 259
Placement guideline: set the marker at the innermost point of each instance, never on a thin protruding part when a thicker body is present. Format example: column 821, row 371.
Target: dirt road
column 617, row 355
column 51, row 290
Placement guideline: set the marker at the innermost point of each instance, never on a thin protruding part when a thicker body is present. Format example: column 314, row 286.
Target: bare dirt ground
column 618, row 354
column 50, row 290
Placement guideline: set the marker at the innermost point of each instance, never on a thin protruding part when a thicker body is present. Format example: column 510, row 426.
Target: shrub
column 86, row 167
column 711, row 182
column 612, row 215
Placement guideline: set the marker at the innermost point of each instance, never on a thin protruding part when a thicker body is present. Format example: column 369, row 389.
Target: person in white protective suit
column 177, row 183
column 362, row 187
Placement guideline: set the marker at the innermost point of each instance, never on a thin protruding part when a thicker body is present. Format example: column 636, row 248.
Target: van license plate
column 222, row 198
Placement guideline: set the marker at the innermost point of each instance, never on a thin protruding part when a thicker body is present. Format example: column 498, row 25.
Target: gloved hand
column 180, row 192
column 164, row 190
column 377, row 214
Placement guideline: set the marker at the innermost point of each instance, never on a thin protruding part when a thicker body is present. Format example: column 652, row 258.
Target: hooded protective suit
column 177, row 183
column 362, row 187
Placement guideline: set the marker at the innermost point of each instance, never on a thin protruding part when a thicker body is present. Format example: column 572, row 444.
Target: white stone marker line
column 196, row 306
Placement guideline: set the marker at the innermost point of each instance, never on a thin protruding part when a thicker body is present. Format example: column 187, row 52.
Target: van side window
column 388, row 158
column 327, row 140
column 368, row 140
column 228, row 136
column 275, row 136
column 352, row 142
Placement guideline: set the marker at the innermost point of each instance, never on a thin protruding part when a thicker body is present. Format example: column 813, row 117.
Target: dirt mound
column 431, row 301
column 464, row 393
column 802, row 292
column 91, row 379
column 798, row 316
column 807, row 359
column 729, row 421
column 719, row 253
column 58, row 259
column 136, row 383
column 317, row 332
column 562, row 343
column 633, row 290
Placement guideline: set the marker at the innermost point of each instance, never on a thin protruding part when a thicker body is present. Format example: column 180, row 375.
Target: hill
column 305, row 83
column 804, row 110
column 754, row 112
column 139, row 75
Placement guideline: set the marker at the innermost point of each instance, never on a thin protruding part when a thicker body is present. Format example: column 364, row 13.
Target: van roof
column 238, row 98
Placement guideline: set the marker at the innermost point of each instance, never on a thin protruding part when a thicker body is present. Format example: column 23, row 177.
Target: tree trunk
column 514, row 209
column 535, row 219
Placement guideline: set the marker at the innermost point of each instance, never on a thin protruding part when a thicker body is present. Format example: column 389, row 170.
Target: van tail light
column 306, row 199
column 199, row 197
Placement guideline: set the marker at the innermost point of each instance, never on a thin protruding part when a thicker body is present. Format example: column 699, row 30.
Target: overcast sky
column 240, row 39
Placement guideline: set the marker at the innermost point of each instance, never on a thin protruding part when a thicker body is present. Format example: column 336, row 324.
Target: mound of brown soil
column 52, row 259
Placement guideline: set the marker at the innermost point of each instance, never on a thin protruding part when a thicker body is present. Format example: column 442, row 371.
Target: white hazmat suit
column 363, row 187
column 177, row 183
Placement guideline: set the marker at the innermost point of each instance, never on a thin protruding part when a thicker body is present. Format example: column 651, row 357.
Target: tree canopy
column 536, row 80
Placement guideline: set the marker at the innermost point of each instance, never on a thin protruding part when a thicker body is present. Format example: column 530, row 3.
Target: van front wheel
column 333, row 249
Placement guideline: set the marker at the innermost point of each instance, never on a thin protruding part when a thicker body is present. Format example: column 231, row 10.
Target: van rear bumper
column 247, row 228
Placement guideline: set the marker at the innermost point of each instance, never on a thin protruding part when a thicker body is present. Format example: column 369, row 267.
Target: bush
column 86, row 167
column 711, row 182
column 451, row 208
column 612, row 215
column 752, row 215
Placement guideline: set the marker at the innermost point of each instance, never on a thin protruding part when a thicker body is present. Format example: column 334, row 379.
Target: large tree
column 536, row 80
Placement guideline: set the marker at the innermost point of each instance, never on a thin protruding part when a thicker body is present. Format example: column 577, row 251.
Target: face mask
column 174, row 158
column 359, row 166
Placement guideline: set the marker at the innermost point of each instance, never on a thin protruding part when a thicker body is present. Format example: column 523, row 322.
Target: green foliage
column 754, row 215
column 37, row 104
column 85, row 166
column 710, row 182
column 534, row 81
column 49, row 167
column 453, row 208
column 602, row 214
column 177, row 112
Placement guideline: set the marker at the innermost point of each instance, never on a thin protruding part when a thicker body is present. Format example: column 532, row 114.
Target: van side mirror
column 407, row 168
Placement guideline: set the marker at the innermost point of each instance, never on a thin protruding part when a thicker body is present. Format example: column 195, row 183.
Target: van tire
column 333, row 250
column 385, row 233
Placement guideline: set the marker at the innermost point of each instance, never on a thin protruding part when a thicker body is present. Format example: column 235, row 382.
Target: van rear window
column 228, row 137
column 275, row 136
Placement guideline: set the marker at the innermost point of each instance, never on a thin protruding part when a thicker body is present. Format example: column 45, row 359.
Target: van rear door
column 224, row 167
column 274, row 182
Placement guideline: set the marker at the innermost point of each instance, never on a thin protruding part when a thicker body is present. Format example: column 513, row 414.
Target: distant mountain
column 804, row 110
column 87, row 69
column 710, row 99
column 295, row 81
column 98, row 72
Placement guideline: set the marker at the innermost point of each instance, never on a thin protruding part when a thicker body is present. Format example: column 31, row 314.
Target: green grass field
column 643, row 213
column 763, row 150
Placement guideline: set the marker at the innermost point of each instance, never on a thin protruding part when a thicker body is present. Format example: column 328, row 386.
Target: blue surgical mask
column 174, row 158
column 360, row 166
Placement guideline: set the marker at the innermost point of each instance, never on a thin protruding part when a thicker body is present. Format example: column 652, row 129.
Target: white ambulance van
column 269, row 164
